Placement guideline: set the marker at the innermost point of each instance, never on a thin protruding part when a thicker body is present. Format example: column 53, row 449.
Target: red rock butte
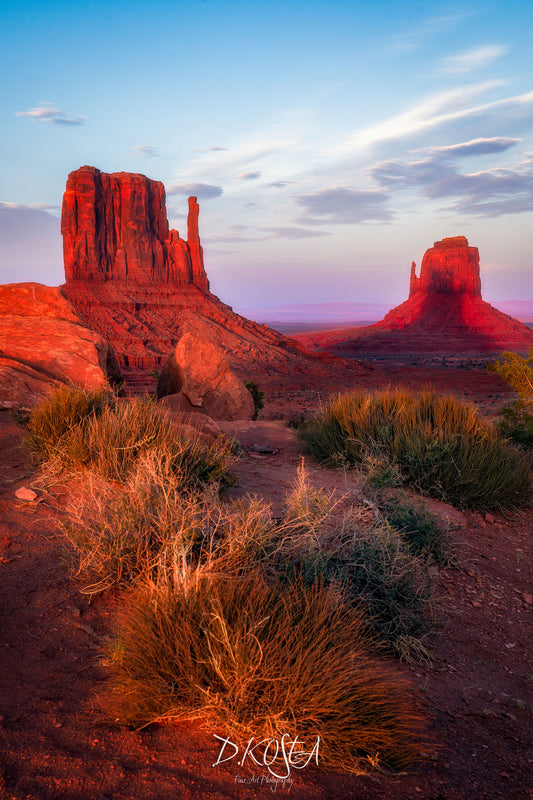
column 141, row 286
column 115, row 228
column 443, row 313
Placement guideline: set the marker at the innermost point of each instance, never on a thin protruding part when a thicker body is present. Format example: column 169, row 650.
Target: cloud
column 343, row 205
column 474, row 147
column 436, row 110
column 233, row 239
column 249, row 176
column 280, row 184
column 21, row 206
column 205, row 191
column 211, row 149
column 146, row 150
column 287, row 232
column 419, row 34
column 48, row 112
column 470, row 60
column 490, row 193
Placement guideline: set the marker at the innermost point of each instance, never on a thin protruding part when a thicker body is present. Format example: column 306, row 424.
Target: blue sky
column 329, row 144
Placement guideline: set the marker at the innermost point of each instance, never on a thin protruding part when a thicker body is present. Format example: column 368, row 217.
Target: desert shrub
column 51, row 423
column 117, row 534
column 516, row 420
column 516, row 423
column 378, row 572
column 153, row 527
column 257, row 396
column 421, row 531
column 107, row 435
column 517, row 371
column 112, row 442
column 441, row 446
column 252, row 658
column 381, row 471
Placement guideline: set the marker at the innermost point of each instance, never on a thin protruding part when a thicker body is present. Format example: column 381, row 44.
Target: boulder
column 203, row 381
column 194, row 420
column 43, row 343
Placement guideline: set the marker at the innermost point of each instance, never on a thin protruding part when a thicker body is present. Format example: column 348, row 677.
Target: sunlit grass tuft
column 263, row 659
column 442, row 447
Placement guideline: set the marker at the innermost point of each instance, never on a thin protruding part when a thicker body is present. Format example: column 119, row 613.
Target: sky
column 329, row 143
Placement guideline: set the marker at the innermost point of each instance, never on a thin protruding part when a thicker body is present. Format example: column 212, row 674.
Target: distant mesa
column 444, row 313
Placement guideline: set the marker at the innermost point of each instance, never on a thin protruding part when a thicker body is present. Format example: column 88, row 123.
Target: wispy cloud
column 206, row 191
column 280, row 184
column 249, row 176
column 433, row 111
column 344, row 205
column 146, row 151
column 426, row 28
column 288, row 232
column 489, row 193
column 214, row 149
column 38, row 206
column 49, row 112
column 474, row 147
column 473, row 59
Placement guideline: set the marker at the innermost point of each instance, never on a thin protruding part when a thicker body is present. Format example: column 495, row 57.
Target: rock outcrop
column 141, row 286
column 198, row 378
column 44, row 343
column 443, row 313
column 115, row 228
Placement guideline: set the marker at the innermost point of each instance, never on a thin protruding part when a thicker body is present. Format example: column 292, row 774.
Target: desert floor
column 56, row 742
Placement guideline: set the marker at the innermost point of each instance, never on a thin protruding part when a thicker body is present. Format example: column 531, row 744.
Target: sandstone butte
column 443, row 313
column 133, row 288
column 142, row 287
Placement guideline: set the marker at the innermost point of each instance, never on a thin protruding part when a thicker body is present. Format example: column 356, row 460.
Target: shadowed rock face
column 115, row 229
column 443, row 313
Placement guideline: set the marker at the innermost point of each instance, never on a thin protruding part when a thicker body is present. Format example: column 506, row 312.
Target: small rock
column 489, row 518
column 26, row 494
column 264, row 449
column 527, row 598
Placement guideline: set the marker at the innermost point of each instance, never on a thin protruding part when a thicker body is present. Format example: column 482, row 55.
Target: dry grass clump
column 263, row 659
column 441, row 446
column 153, row 526
column 50, row 424
column 257, row 625
column 423, row 533
column 98, row 431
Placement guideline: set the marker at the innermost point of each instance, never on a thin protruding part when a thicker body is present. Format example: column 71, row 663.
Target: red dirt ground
column 55, row 742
